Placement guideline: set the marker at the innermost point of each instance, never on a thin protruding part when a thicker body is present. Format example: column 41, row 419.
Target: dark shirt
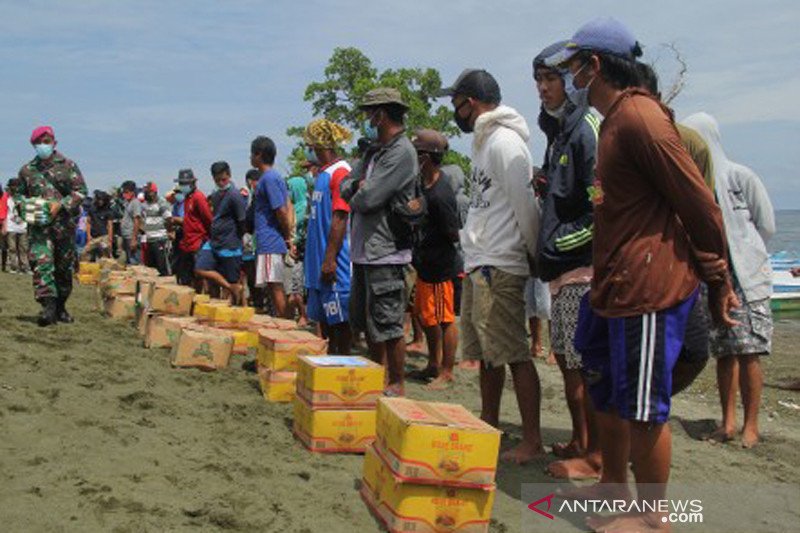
column 435, row 254
column 227, row 226
column 98, row 220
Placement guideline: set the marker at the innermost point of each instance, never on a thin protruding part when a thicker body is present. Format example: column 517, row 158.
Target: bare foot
column 443, row 382
column 624, row 523
column 523, row 453
column 750, row 438
column 551, row 359
column 469, row 365
column 416, row 346
column 568, row 450
column 720, row 436
column 577, row 468
column 236, row 293
column 394, row 390
column 302, row 322
column 598, row 491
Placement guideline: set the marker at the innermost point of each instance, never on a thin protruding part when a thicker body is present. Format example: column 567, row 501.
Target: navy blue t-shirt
column 229, row 208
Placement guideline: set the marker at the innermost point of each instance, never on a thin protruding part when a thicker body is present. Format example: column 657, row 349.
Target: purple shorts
column 628, row 362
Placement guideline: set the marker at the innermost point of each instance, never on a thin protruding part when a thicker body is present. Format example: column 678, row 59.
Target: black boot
column 48, row 316
column 61, row 311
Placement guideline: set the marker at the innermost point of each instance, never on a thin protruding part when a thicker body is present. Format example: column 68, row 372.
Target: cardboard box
column 339, row 382
column 145, row 286
column 440, row 443
column 204, row 311
column 143, row 271
column 333, row 431
column 163, row 331
column 202, row 347
column 404, row 507
column 88, row 279
column 278, row 349
column 89, row 269
column 244, row 342
column 121, row 307
column 142, row 321
column 277, row 386
column 171, row 299
column 118, row 283
column 108, row 263
column 231, row 316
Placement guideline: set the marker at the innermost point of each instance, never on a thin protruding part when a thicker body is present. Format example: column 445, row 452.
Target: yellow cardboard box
column 277, row 386
column 333, row 431
column 339, row 382
column 202, row 347
column 163, row 331
column 442, row 443
column 88, row 279
column 244, row 342
column 204, row 311
column 404, row 507
column 278, row 349
column 231, row 316
column 171, row 299
column 122, row 307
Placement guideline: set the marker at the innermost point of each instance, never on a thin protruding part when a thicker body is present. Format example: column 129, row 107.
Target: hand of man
column 328, row 272
column 721, row 300
column 55, row 207
column 713, row 269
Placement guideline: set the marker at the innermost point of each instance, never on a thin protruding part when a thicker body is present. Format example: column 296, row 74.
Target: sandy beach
column 101, row 434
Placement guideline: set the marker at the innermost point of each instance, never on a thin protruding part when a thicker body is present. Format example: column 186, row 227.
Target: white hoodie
column 503, row 220
column 746, row 211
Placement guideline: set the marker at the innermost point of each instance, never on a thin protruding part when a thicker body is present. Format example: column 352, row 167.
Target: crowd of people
column 636, row 238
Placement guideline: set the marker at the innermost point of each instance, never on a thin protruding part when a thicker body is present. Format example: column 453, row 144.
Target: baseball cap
column 128, row 186
column 151, row 187
column 41, row 130
column 382, row 96
column 540, row 60
column 185, row 176
column 603, row 34
column 475, row 83
column 429, row 141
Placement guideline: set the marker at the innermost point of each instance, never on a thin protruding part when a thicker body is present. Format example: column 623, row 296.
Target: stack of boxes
column 431, row 468
column 88, row 273
column 116, row 291
column 277, row 356
column 334, row 408
column 163, row 307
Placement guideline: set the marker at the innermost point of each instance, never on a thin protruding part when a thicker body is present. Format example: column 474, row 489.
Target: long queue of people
column 640, row 230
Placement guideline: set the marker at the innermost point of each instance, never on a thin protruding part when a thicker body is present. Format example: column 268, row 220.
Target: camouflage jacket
column 58, row 180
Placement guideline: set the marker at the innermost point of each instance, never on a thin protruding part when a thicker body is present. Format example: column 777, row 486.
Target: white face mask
column 577, row 95
column 557, row 113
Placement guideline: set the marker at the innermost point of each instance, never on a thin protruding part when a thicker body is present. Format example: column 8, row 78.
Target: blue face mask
column 43, row 151
column 577, row 95
column 185, row 189
column 370, row 131
column 180, row 197
column 310, row 155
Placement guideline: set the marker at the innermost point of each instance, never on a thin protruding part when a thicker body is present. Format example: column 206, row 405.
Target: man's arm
column 110, row 230
column 392, row 172
column 350, row 183
column 514, row 172
column 335, row 241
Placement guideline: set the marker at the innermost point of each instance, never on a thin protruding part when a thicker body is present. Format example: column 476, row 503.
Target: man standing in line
column 499, row 242
column 378, row 190
column 273, row 223
column 131, row 223
column 649, row 198
column 196, row 224
column 155, row 213
column 51, row 191
column 327, row 254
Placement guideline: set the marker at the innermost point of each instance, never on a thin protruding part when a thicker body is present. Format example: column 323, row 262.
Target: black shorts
column 228, row 267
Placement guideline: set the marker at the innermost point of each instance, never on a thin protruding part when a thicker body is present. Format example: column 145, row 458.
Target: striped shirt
column 155, row 217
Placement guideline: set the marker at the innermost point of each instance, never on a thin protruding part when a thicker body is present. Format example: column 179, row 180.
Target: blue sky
column 141, row 89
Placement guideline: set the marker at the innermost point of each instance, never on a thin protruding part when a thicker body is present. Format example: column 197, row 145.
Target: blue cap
column 603, row 34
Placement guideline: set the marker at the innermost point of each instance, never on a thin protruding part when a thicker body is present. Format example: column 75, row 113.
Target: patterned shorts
column 753, row 335
column 564, row 320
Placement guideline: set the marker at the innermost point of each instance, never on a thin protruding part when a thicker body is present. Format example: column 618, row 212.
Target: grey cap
column 185, row 177
column 382, row 96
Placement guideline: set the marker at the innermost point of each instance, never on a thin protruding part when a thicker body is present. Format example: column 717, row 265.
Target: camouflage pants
column 52, row 256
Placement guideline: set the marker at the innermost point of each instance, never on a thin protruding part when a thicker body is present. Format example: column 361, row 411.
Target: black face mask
column 462, row 123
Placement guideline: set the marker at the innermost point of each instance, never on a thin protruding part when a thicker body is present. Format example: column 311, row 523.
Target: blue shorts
column 628, row 362
column 228, row 267
column 328, row 306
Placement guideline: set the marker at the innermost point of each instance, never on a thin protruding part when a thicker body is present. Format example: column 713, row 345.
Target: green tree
column 350, row 74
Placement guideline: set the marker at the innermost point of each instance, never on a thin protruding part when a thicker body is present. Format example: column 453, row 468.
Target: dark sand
column 100, row 434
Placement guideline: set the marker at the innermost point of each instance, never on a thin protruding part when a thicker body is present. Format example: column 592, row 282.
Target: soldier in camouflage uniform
column 56, row 180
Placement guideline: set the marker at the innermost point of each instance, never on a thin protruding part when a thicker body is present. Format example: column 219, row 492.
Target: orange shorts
column 434, row 303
